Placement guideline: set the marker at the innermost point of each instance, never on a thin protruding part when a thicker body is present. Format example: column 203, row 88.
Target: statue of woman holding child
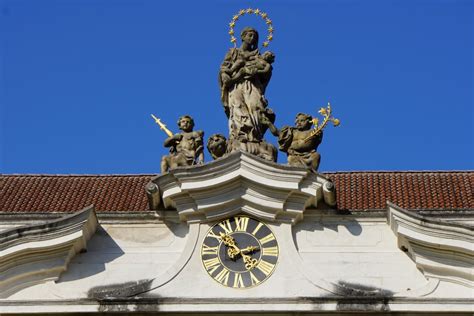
column 243, row 78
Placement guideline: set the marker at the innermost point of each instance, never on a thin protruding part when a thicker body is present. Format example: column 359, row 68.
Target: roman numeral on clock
column 265, row 267
column 213, row 235
column 241, row 224
column 270, row 251
column 223, row 276
column 238, row 281
column 267, row 238
column 211, row 265
column 226, row 226
column 253, row 279
column 208, row 250
column 257, row 228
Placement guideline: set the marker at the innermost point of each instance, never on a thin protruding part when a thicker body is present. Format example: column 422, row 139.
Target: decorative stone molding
column 153, row 195
column 279, row 305
column 241, row 182
column 38, row 253
column 441, row 250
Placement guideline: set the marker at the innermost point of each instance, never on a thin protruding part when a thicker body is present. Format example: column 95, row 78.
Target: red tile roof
column 66, row 193
column 413, row 190
column 437, row 190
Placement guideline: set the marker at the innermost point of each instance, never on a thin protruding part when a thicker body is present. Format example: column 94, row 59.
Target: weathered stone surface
column 243, row 78
column 186, row 148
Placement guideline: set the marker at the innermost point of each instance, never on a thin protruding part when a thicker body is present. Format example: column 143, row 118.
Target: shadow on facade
column 101, row 249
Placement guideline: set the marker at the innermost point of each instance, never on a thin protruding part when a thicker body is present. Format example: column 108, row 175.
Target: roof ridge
column 398, row 171
column 78, row 175
column 154, row 174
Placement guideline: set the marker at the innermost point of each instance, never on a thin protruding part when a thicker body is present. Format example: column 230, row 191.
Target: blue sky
column 79, row 79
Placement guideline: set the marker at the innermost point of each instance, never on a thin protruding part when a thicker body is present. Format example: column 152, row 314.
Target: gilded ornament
column 257, row 12
column 327, row 113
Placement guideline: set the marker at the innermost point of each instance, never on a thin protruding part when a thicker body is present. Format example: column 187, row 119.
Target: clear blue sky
column 79, row 79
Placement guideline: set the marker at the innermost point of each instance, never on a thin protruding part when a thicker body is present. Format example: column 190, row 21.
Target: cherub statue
column 186, row 148
column 298, row 142
column 217, row 145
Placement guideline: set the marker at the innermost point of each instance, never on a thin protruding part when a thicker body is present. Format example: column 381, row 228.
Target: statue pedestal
column 242, row 183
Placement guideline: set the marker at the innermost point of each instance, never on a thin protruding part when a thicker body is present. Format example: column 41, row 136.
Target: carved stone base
column 261, row 149
column 242, row 183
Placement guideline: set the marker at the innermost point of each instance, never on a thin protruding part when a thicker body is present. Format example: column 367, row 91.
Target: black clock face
column 239, row 252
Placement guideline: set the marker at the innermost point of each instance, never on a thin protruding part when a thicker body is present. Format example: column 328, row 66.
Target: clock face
column 239, row 252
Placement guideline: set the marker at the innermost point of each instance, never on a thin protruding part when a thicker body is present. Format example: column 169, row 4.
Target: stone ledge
column 330, row 305
column 38, row 253
column 441, row 250
column 242, row 183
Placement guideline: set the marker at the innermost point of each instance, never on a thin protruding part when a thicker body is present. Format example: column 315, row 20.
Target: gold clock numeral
column 270, row 251
column 211, row 265
column 257, row 228
column 253, row 279
column 223, row 276
column 265, row 267
column 208, row 250
column 267, row 238
column 213, row 235
column 226, row 226
column 241, row 224
column 238, row 281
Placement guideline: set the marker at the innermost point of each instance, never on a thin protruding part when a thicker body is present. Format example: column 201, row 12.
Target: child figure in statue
column 186, row 148
column 297, row 142
column 240, row 69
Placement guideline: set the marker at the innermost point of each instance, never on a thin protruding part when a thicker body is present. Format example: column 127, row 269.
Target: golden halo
column 257, row 12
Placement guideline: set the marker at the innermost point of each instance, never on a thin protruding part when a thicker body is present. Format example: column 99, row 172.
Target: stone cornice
column 328, row 305
column 441, row 250
column 243, row 183
column 37, row 253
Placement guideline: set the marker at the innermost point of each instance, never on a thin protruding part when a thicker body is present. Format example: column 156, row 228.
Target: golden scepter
column 162, row 126
column 326, row 112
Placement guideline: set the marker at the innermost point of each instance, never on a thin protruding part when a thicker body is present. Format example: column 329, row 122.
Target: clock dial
column 239, row 252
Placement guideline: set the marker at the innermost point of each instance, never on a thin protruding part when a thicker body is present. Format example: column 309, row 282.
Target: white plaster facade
column 330, row 263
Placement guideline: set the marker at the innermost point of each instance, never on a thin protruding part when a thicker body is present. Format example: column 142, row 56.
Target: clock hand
column 232, row 250
column 248, row 249
column 250, row 262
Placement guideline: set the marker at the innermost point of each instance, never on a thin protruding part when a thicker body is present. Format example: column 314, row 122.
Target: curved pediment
column 242, row 183
column 38, row 253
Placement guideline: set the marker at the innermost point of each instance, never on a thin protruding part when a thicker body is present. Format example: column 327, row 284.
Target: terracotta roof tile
column 414, row 190
column 66, row 193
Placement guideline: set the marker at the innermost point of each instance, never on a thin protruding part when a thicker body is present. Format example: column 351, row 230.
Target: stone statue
column 217, row 145
column 243, row 78
column 299, row 142
column 186, row 148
